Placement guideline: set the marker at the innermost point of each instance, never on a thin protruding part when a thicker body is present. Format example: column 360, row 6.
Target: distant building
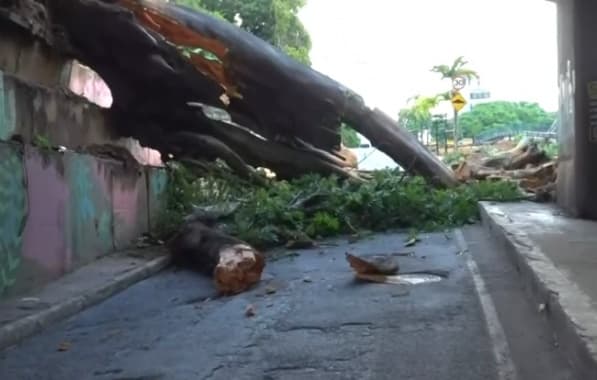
column 475, row 94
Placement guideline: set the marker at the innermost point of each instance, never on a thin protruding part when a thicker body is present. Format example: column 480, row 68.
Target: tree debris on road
column 384, row 269
column 376, row 264
column 234, row 265
column 527, row 165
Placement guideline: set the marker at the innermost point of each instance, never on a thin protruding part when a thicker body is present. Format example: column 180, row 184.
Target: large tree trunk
column 296, row 111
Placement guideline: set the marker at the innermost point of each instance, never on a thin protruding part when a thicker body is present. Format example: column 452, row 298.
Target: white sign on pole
column 458, row 83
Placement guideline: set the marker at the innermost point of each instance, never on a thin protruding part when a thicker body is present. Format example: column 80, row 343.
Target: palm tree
column 451, row 72
column 417, row 115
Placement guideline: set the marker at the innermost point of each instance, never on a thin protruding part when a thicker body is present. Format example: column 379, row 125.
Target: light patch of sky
column 384, row 49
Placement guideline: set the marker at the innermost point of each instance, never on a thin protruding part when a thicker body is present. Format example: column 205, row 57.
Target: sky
column 384, row 49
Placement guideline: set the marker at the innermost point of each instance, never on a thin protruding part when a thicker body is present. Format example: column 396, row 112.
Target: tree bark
column 202, row 145
column 285, row 161
column 234, row 265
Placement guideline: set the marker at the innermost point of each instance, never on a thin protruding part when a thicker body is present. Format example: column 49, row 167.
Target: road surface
column 312, row 321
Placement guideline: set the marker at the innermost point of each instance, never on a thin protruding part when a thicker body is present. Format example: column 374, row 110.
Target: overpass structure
column 577, row 55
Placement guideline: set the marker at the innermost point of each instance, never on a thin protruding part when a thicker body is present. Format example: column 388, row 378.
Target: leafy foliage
column 501, row 114
column 314, row 206
column 417, row 115
column 275, row 21
column 551, row 148
column 350, row 138
column 453, row 157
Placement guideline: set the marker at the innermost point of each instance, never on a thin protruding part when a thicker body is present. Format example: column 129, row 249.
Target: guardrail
column 489, row 137
column 540, row 134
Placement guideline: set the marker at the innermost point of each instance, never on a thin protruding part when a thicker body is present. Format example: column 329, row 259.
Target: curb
column 567, row 308
column 14, row 332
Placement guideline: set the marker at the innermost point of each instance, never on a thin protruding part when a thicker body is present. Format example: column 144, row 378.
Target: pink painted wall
column 129, row 206
column 78, row 208
column 44, row 241
column 61, row 211
column 145, row 156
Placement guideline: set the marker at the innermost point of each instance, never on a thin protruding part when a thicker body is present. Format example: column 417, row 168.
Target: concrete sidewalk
column 28, row 314
column 557, row 259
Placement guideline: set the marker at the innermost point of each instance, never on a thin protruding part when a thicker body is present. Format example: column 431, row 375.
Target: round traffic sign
column 458, row 83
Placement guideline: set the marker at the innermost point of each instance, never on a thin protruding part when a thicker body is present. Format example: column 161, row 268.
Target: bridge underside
column 577, row 177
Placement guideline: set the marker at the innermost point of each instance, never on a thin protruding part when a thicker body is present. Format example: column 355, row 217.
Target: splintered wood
column 526, row 164
column 234, row 265
column 373, row 265
column 239, row 268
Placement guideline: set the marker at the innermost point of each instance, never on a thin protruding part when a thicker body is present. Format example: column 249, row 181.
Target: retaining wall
column 59, row 211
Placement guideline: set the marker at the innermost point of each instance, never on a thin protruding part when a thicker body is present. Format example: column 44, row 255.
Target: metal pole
column 445, row 134
column 436, row 122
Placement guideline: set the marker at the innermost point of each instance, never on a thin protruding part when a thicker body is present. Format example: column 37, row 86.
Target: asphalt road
column 318, row 324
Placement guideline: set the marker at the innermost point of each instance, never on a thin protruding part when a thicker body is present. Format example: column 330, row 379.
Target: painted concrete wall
column 61, row 117
column 29, row 58
column 59, row 211
column 13, row 214
column 68, row 98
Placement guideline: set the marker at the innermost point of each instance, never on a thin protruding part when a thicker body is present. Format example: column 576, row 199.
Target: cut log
column 239, row 267
column 234, row 265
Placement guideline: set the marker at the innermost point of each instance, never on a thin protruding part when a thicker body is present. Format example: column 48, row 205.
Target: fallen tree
column 157, row 58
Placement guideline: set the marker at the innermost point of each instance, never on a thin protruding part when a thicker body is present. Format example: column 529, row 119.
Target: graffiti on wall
column 90, row 207
column 13, row 213
column 7, row 106
column 61, row 211
column 157, row 180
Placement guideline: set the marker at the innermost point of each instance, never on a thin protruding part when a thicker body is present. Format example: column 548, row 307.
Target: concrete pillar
column 577, row 175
